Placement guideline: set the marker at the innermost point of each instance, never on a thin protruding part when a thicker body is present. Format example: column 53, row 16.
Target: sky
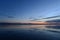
column 27, row 10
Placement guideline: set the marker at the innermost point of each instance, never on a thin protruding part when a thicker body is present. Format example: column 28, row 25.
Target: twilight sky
column 25, row 10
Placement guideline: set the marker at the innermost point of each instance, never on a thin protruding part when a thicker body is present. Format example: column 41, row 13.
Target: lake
column 29, row 32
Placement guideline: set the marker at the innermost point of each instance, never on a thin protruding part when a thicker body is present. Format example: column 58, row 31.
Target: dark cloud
column 10, row 16
column 7, row 16
column 52, row 17
column 35, row 19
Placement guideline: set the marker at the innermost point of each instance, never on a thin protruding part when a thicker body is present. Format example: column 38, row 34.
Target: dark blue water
column 28, row 32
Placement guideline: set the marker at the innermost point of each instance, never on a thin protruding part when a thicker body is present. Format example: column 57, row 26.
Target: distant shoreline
column 26, row 24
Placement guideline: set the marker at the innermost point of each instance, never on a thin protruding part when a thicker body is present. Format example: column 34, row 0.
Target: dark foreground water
column 28, row 32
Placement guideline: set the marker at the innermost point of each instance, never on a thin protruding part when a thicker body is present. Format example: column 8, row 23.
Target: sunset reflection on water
column 28, row 26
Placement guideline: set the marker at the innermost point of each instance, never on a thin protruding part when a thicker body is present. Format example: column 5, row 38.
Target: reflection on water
column 23, row 26
column 51, row 27
column 32, row 27
column 55, row 27
column 31, row 32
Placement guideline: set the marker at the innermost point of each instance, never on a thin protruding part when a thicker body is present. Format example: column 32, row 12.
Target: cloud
column 52, row 17
column 6, row 16
column 47, row 19
column 34, row 19
column 10, row 16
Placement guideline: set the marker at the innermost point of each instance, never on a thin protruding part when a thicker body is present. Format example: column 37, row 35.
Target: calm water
column 30, row 27
column 29, row 32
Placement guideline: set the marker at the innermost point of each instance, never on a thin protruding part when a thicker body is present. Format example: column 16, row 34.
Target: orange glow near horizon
column 40, row 23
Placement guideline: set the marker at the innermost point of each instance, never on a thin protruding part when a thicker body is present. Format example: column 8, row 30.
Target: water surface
column 28, row 32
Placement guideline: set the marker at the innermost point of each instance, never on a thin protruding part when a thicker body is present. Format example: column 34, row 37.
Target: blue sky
column 19, row 10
